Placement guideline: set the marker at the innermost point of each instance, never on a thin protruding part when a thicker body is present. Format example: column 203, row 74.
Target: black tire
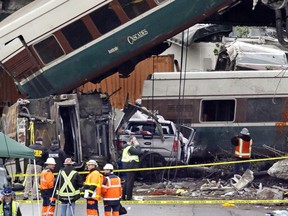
column 151, row 159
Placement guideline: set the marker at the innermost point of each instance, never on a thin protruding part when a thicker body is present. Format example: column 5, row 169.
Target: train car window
column 134, row 8
column 265, row 110
column 160, row 1
column 105, row 19
column 217, row 110
column 77, row 34
column 49, row 49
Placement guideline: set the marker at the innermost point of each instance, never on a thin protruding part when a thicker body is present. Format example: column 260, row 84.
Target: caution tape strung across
column 179, row 166
column 177, row 202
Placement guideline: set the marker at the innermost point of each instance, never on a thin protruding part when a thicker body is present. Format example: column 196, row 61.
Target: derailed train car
column 81, row 122
column 219, row 104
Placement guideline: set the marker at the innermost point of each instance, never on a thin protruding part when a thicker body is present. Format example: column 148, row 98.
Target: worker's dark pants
column 129, row 181
column 238, row 166
column 113, row 206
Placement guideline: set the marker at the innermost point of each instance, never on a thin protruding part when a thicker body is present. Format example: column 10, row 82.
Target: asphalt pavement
column 29, row 209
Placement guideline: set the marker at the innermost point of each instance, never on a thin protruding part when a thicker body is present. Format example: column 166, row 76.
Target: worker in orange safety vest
column 243, row 148
column 47, row 188
column 92, row 188
column 111, row 191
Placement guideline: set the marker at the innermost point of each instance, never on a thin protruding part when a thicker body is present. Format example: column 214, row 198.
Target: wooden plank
column 132, row 85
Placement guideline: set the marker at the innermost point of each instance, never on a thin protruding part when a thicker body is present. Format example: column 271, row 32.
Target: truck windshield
column 149, row 127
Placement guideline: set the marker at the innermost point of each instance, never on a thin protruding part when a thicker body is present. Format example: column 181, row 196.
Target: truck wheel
column 151, row 159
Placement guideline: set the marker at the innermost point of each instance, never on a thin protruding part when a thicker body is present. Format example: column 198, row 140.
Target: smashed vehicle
column 240, row 55
column 159, row 139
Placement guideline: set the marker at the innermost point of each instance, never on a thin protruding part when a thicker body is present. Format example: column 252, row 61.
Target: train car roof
column 28, row 13
column 219, row 74
column 39, row 18
column 218, row 84
column 39, row 8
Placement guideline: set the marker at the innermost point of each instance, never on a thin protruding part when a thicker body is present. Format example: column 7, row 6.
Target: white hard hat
column 108, row 167
column 92, row 162
column 245, row 131
column 50, row 161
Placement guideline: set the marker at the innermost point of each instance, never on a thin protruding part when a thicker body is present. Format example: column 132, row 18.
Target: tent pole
column 36, row 184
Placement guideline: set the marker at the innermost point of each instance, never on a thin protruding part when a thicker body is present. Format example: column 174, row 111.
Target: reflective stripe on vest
column 15, row 206
column 126, row 157
column 113, row 193
column 88, row 181
column 243, row 150
column 97, row 184
column 68, row 184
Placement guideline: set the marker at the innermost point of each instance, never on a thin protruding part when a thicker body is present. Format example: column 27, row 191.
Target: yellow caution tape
column 179, row 166
column 24, row 175
column 229, row 203
column 31, row 129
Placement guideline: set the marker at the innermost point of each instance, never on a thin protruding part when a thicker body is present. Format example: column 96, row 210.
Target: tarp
column 10, row 148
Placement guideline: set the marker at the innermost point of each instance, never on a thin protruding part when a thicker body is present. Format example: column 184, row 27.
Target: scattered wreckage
column 251, row 54
column 239, row 187
column 82, row 123
column 84, row 126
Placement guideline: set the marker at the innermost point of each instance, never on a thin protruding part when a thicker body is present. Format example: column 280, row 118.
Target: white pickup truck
column 159, row 139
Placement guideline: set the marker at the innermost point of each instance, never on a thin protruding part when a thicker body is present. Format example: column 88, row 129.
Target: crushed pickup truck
column 159, row 139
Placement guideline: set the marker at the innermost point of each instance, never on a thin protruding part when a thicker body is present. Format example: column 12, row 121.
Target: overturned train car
column 82, row 124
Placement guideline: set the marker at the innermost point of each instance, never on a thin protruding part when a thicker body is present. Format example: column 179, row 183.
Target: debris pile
column 238, row 187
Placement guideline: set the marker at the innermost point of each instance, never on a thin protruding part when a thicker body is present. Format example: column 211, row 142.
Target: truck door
column 188, row 142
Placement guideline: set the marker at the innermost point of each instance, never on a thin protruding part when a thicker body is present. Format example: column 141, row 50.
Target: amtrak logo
column 137, row 36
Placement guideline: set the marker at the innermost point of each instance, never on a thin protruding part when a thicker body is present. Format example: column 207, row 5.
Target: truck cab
column 149, row 136
column 157, row 136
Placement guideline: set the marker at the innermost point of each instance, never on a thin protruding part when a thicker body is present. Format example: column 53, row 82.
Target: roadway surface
column 168, row 210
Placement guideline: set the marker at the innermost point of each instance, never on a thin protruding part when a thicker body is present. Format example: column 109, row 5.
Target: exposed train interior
column 70, row 125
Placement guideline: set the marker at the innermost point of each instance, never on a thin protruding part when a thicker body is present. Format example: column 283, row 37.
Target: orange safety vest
column 47, row 181
column 243, row 149
column 111, row 188
column 47, row 188
column 95, row 178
